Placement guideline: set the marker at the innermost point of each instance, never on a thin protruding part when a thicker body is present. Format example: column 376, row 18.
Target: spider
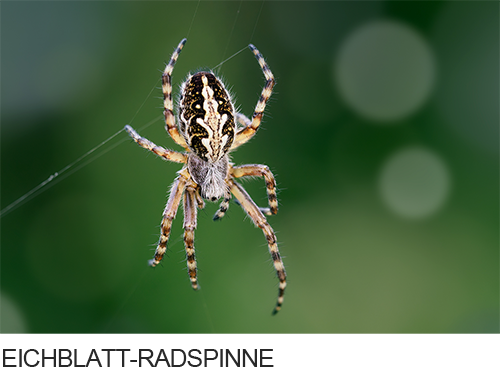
column 209, row 128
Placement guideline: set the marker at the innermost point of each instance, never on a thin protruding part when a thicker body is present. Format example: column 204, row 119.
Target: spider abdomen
column 206, row 116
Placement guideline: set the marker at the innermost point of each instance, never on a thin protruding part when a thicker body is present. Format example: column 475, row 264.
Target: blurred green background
column 382, row 133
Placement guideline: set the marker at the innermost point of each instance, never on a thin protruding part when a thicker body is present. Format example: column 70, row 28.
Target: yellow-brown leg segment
column 189, row 227
column 199, row 199
column 259, row 220
column 168, row 216
column 168, row 105
column 223, row 206
column 265, row 210
column 242, row 119
column 245, row 134
column 160, row 151
column 264, row 171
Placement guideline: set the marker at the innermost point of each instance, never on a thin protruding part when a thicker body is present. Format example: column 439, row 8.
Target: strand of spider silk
column 192, row 20
column 232, row 56
column 143, row 103
column 119, row 309
column 67, row 171
column 207, row 312
column 31, row 194
column 232, row 29
column 257, row 21
column 43, row 185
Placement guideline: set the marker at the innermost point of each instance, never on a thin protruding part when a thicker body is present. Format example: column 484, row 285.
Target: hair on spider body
column 208, row 127
column 211, row 176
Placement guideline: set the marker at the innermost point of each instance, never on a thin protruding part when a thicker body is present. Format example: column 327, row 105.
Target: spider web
column 105, row 146
column 97, row 151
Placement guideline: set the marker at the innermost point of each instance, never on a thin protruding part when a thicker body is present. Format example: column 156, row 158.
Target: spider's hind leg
column 168, row 216
column 259, row 220
column 264, row 210
column 190, row 213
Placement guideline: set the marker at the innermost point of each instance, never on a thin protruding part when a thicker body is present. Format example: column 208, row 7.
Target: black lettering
column 245, row 357
column 142, row 357
column 229, row 354
column 192, row 356
column 46, row 358
column 175, row 359
column 162, row 355
column 25, row 358
column 91, row 358
column 113, row 359
column 6, row 363
column 75, row 360
column 259, row 357
column 61, row 358
column 266, row 358
column 208, row 360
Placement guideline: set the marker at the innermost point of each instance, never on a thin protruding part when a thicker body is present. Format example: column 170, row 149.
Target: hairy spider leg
column 223, row 206
column 168, row 216
column 259, row 220
column 185, row 187
column 160, row 151
column 168, row 104
column 189, row 227
column 199, row 200
column 246, row 133
column 264, row 171
column 242, row 119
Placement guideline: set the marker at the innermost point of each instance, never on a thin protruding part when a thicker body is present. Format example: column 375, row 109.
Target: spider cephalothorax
column 208, row 130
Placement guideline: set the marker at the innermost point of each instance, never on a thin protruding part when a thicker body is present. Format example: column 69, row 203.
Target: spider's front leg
column 251, row 126
column 189, row 227
column 168, row 104
column 160, row 151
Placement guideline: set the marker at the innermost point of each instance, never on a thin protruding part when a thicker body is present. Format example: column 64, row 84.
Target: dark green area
column 74, row 257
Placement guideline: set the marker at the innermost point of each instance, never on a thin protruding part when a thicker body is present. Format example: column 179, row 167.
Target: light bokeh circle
column 385, row 71
column 12, row 319
column 414, row 183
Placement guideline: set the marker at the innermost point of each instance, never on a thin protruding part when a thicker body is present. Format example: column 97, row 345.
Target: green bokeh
column 74, row 257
